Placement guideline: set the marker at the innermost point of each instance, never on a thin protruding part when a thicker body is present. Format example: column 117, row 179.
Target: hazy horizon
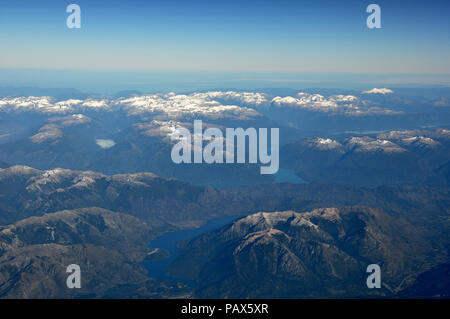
column 113, row 81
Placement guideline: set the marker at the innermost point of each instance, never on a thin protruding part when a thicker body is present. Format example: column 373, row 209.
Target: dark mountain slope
column 28, row 192
column 108, row 246
column 169, row 203
column 322, row 253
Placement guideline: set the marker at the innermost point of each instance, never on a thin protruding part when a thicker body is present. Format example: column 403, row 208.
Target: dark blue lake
column 168, row 242
column 284, row 175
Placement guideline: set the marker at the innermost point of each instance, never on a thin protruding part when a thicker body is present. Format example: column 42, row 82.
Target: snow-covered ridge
column 346, row 104
column 215, row 104
column 60, row 180
column 388, row 142
column 382, row 91
column 250, row 98
column 53, row 130
column 178, row 106
column 326, row 143
column 418, row 138
column 367, row 144
column 159, row 128
column 172, row 105
column 264, row 224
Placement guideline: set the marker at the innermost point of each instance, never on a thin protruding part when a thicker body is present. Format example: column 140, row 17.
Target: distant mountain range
column 131, row 133
column 394, row 157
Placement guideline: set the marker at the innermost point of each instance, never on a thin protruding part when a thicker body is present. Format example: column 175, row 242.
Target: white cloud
column 443, row 102
column 105, row 144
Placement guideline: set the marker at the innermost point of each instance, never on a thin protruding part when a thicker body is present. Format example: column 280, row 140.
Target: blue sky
column 227, row 36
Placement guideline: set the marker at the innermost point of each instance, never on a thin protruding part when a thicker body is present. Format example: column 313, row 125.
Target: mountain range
column 322, row 253
column 88, row 179
column 104, row 223
column 394, row 157
column 108, row 247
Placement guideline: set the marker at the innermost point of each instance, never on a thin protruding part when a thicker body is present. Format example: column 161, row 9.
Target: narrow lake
column 168, row 242
column 284, row 175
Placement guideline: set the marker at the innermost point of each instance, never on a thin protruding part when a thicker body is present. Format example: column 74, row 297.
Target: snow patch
column 378, row 91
